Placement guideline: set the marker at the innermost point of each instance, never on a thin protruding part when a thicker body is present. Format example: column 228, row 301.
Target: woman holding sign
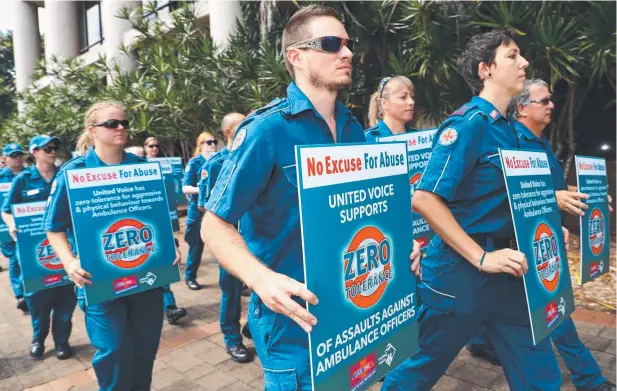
column 34, row 184
column 206, row 147
column 391, row 108
column 126, row 331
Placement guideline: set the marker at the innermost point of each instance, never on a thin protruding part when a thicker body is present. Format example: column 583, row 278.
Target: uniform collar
column 487, row 108
column 92, row 159
column 299, row 102
column 384, row 130
column 524, row 132
column 34, row 172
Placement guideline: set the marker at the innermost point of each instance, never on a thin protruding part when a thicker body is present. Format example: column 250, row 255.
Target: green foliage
column 183, row 84
column 7, row 84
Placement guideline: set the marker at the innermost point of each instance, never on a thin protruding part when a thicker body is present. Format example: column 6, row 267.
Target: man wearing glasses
column 258, row 183
column 14, row 159
column 533, row 109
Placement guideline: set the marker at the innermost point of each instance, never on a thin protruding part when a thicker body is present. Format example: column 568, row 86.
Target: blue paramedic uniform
column 125, row 331
column 9, row 249
column 381, row 130
column 55, row 303
column 231, row 287
column 193, row 219
column 457, row 299
column 258, row 183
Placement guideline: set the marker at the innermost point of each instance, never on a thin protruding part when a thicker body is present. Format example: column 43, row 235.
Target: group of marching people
column 244, row 207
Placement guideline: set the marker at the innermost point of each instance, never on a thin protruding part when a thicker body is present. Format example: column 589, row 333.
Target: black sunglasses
column 543, row 102
column 48, row 148
column 16, row 154
column 327, row 44
column 153, row 146
column 113, row 123
column 210, row 142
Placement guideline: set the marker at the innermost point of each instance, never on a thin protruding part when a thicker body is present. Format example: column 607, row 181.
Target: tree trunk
column 571, row 142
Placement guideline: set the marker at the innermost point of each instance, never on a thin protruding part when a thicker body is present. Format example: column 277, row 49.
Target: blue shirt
column 381, row 130
column 209, row 173
column 6, row 175
column 192, row 174
column 58, row 213
column 465, row 169
column 528, row 140
column 258, row 178
column 28, row 186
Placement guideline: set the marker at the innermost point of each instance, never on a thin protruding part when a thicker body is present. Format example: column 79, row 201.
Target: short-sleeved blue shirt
column 6, row 175
column 28, row 186
column 192, row 174
column 258, row 177
column 528, row 140
column 58, row 213
column 465, row 169
column 381, row 130
column 209, row 173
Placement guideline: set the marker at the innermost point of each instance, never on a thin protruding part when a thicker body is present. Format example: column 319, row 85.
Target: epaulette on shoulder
column 374, row 131
column 267, row 107
column 76, row 162
column 464, row 109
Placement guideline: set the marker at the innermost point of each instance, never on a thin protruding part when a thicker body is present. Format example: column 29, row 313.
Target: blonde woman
column 206, row 146
column 391, row 109
column 125, row 331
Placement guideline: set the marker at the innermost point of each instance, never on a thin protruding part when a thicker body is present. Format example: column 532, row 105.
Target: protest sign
column 122, row 229
column 419, row 148
column 539, row 236
column 176, row 174
column 595, row 224
column 40, row 267
column 357, row 237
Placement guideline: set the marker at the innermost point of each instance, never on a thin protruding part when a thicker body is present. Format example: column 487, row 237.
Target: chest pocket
column 290, row 175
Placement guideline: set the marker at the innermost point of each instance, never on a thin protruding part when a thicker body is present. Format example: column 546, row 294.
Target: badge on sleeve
column 53, row 187
column 238, row 140
column 448, row 137
column 204, row 174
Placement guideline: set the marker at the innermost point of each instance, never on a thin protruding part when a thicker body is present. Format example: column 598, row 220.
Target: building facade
column 88, row 29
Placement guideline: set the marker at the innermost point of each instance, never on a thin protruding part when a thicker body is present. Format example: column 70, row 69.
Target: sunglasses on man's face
column 543, row 102
column 113, row 123
column 211, row 142
column 153, row 146
column 48, row 148
column 327, row 44
column 16, row 155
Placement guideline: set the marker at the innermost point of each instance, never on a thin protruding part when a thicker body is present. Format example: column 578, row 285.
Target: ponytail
column 374, row 109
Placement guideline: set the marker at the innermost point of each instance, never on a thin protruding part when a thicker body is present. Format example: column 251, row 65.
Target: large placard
column 4, row 230
column 40, row 267
column 357, row 237
column 595, row 224
column 122, row 229
column 176, row 174
column 419, row 149
column 539, row 236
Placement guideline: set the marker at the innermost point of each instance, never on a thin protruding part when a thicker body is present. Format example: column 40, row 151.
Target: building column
column 26, row 42
column 223, row 15
column 113, row 32
column 62, row 32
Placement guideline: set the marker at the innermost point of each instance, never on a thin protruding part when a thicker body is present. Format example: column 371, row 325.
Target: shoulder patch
column 494, row 114
column 204, row 173
column 238, row 140
column 54, row 184
column 448, row 137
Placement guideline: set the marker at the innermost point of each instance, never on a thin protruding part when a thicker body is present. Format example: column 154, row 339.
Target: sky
column 6, row 15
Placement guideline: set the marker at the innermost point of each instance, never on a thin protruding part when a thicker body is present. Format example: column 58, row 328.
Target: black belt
column 496, row 243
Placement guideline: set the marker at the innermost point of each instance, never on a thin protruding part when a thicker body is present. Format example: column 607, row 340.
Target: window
column 163, row 8
column 92, row 32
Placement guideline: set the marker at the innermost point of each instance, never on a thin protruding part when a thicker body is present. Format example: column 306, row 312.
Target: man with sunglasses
column 258, row 183
column 13, row 155
column 533, row 109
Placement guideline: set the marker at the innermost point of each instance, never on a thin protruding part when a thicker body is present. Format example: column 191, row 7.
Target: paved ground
column 192, row 356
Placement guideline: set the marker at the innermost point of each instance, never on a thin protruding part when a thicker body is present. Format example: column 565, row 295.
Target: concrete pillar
column 113, row 31
column 62, row 30
column 223, row 15
column 26, row 42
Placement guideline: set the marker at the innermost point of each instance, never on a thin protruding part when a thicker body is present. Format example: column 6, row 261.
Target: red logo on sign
column 52, row 279
column 124, row 284
column 596, row 231
column 551, row 313
column 367, row 267
column 128, row 243
column 360, row 373
column 47, row 257
column 546, row 254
